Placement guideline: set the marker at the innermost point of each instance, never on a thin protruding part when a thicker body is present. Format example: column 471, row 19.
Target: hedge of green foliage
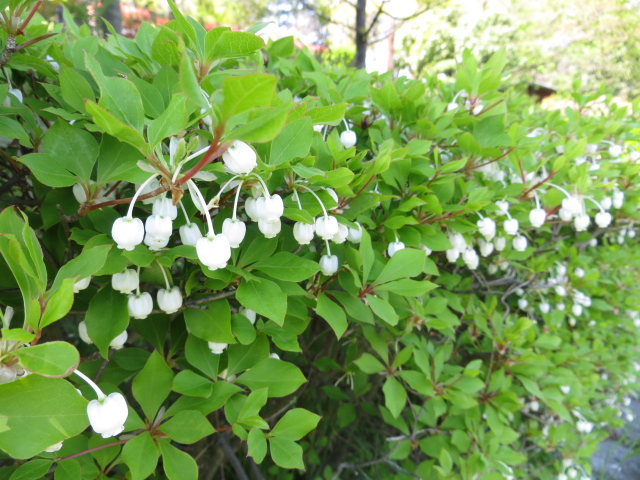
column 466, row 308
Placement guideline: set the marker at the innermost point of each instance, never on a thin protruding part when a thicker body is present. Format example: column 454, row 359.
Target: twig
column 94, row 449
column 233, row 459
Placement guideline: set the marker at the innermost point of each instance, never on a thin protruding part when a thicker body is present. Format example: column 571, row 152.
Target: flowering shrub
column 223, row 255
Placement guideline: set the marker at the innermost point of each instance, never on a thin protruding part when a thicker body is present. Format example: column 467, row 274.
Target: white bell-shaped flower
column 511, row 226
column 107, row 415
column 458, row 242
column 492, row 269
column 303, row 232
column 214, row 251
column 269, row 229
column 79, row 193
column 234, row 230
column 615, row 151
column 500, row 243
column 565, row 215
column 572, row 205
column 591, row 148
column 394, row 247
column 452, row 255
column 581, row 222
column 452, row 106
column 603, row 219
column 487, row 228
column 8, row 373
column 127, row 232
column 326, row 227
column 618, row 199
column 250, row 314
column 523, row 303
column 519, row 243
column 427, row 250
column 156, row 243
column 560, row 149
column 576, row 309
column 486, row 248
column 250, row 208
column 561, row 290
column 164, row 207
column 170, row 300
column 82, row 332
column 81, row 284
column 355, row 234
column 606, row 203
column 537, row 217
column 348, row 138
column 470, row 258
column 190, row 234
column 239, row 159
column 269, row 209
column 53, row 448
column 125, row 282
column 217, row 348
column 158, row 226
column 503, row 207
column 329, row 264
column 544, row 307
column 579, row 272
column 118, row 342
column 140, row 305
column 341, row 235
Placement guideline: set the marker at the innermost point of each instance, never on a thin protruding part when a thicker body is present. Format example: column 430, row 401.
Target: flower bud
column 140, row 306
column 53, row 448
column 500, row 243
column 487, row 228
column 81, row 284
column 451, row 106
column 355, row 235
column 523, row 303
column 127, row 232
column 170, row 300
column 82, row 332
column 573, row 205
column 341, row 235
column 615, row 150
column 560, row 290
column 492, row 269
column 453, row 254
column 565, row 215
column 560, row 149
column 603, row 219
column 269, row 229
column 118, row 342
column 214, row 251
column 239, row 158
column 250, row 314
column 164, row 207
column 486, row 248
column 158, row 226
column 503, row 206
column 511, row 226
column 544, row 307
column 107, row 415
column 269, row 209
column 576, row 310
column 190, row 234
column 606, row 203
column 217, row 348
column 329, row 264
column 579, row 272
column 79, row 193
column 426, row 249
column 303, row 233
column 348, row 138
column 519, row 243
column 458, row 242
column 326, row 227
column 250, row 208
column 394, row 247
column 581, row 222
column 470, row 258
column 591, row 148
column 618, row 198
column 537, row 217
column 560, row 306
column 125, row 282
column 234, row 230
column 156, row 243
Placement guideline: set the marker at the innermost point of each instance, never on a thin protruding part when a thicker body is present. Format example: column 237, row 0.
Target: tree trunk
column 113, row 15
column 360, row 60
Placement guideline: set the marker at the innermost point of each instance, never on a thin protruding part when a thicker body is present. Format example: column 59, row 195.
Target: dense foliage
column 466, row 308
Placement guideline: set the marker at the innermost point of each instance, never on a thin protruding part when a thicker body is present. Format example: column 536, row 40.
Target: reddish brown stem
column 29, row 17
column 442, row 217
column 94, row 449
column 83, row 211
column 34, row 40
column 494, row 160
column 489, row 108
column 537, row 185
column 215, row 150
column 344, row 204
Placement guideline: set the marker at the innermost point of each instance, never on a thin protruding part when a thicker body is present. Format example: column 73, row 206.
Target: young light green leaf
column 187, row 426
column 152, row 385
column 178, row 465
column 141, row 456
column 281, row 378
column 295, row 424
column 52, row 359
column 333, row 314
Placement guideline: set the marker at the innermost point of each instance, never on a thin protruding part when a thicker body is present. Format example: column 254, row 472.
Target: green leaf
column 88, row 263
column 187, row 426
column 141, row 456
column 102, row 329
column 75, row 150
column 184, row 27
column 178, row 465
column 333, row 314
column 17, row 335
column 395, row 396
column 407, row 287
column 31, row 422
column 331, row 115
column 243, row 357
column 199, row 355
column 172, row 121
column 52, row 359
column 213, row 324
column 286, row 453
column 292, row 142
column 257, row 443
column 404, row 264
column 47, row 170
column 190, row 383
column 369, row 364
column 68, row 470
column 295, row 424
column 190, row 84
column 32, row 470
column 152, row 385
column 10, row 128
column 382, row 309
column 116, row 128
column 75, row 88
column 247, row 92
column 266, row 298
column 229, row 44
column 289, row 267
column 119, row 161
column 281, row 378
column 366, row 250
column 59, row 304
column 262, row 125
